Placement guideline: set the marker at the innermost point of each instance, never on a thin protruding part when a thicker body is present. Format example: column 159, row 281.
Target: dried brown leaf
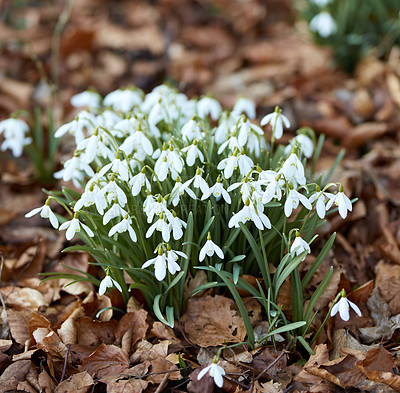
column 77, row 383
column 14, row 374
column 18, row 321
column 93, row 333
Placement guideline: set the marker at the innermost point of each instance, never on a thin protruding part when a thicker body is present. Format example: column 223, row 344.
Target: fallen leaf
column 18, row 322
column 14, row 374
column 93, row 333
column 77, row 383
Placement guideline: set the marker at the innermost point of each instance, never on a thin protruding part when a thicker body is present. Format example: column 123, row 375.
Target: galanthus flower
column 299, row 245
column 228, row 165
column 244, row 105
column 277, row 121
column 74, row 226
column 249, row 212
column 124, row 225
column 293, row 170
column 245, row 163
column 320, row 197
column 191, row 130
column 199, row 182
column 193, row 152
column 45, row 212
column 176, row 225
column 14, row 131
column 179, row 189
column 305, row 144
column 115, row 211
column 323, row 24
column 139, row 181
column 209, row 106
column 245, row 128
column 343, row 306
column 209, row 249
column 215, row 371
column 86, row 98
column 219, row 191
column 293, row 200
column 83, row 120
column 341, row 201
column 108, row 282
column 172, row 257
column 114, row 191
column 123, row 100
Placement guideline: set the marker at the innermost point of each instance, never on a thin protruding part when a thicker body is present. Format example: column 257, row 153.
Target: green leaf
column 158, row 313
column 236, row 272
column 238, row 258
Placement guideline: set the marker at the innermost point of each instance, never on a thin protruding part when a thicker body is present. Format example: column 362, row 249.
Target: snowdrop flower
column 293, row 200
column 191, row 130
column 305, row 144
column 209, row 106
column 222, row 131
column 123, row 100
column 343, row 306
column 274, row 183
column 232, row 143
column 93, row 146
column 219, row 191
column 245, row 163
column 160, row 263
column 246, row 188
column 45, row 212
column 83, row 120
column 209, row 249
column 108, row 282
column 245, row 129
column 341, row 201
column 176, row 224
column 277, row 120
column 74, row 226
column 172, row 257
column 161, row 226
column 244, row 105
column 323, row 24
column 299, row 245
column 215, row 371
column 74, row 165
column 115, row 211
column 199, row 182
column 90, row 197
column 168, row 161
column 229, row 164
column 193, row 152
column 114, row 192
column 293, row 170
column 320, row 196
column 157, row 207
column 138, row 141
column 14, row 136
column 138, row 182
column 123, row 226
column 321, row 3
column 250, row 213
column 86, row 98
column 179, row 189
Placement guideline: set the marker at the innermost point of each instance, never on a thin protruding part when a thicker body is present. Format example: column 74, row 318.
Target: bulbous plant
column 170, row 185
column 353, row 28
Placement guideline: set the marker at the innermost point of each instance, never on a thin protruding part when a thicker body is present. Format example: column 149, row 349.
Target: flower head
column 323, row 24
column 108, row 282
column 299, row 245
column 45, row 212
column 209, row 249
column 343, row 306
column 342, row 202
column 215, row 371
column 277, row 121
column 74, row 226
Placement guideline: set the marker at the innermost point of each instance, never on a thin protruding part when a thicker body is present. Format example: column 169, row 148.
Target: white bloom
column 95, row 146
column 168, row 161
column 229, row 164
column 320, row 197
column 342, row 202
column 14, row 136
column 73, row 226
column 114, row 192
column 274, row 184
column 305, row 144
column 209, row 106
column 245, row 129
column 232, row 142
column 123, row 226
column 138, row 182
column 123, row 100
column 155, row 207
column 108, row 282
column 323, row 24
column 83, row 120
column 343, row 306
column 191, row 130
column 250, row 213
column 299, row 245
column 277, row 120
column 215, row 371
column 161, row 226
column 138, row 141
column 179, row 189
column 218, row 190
column 172, row 257
column 321, row 3
column 209, row 249
column 244, row 105
column 245, row 163
column 293, row 170
column 199, row 182
column 176, row 224
column 115, row 211
column 45, row 212
column 86, row 98
column 193, row 152
column 293, row 200
column 246, row 188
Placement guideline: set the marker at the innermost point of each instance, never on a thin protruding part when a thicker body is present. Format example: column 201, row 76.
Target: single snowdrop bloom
column 90, row 197
column 246, row 188
column 87, row 98
column 139, row 141
column 343, row 306
column 83, row 120
column 245, row 129
column 341, row 201
column 94, row 145
column 209, row 106
column 320, row 197
column 123, row 100
column 193, row 152
column 222, row 131
column 249, row 212
column 299, row 245
column 293, row 170
column 45, row 212
column 160, row 264
column 277, row 121
column 172, row 257
column 293, row 199
column 209, row 249
column 161, row 226
column 108, row 282
column 274, row 187
column 123, row 226
column 179, row 189
column 305, row 144
column 14, row 131
column 232, row 143
column 74, row 226
column 215, row 371
column 157, row 207
column 323, row 24
column 245, row 163
column 244, row 105
column 120, row 167
column 114, row 191
column 115, row 211
column 139, row 181
column 176, row 225
column 199, row 182
column 74, row 165
column 218, row 191
column 228, row 165
column 191, row 130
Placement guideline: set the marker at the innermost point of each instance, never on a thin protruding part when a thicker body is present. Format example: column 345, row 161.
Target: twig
column 65, row 363
column 284, row 351
column 163, row 384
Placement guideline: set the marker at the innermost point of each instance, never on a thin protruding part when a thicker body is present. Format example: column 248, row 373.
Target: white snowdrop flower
column 215, row 371
column 305, row 144
column 277, row 120
column 114, row 192
column 178, row 190
column 228, row 165
column 293, row 200
column 245, row 163
column 137, row 140
column 161, row 226
column 193, row 152
column 76, row 164
column 91, row 145
column 83, row 120
column 299, row 245
column 219, row 191
column 222, row 131
column 45, row 212
column 274, row 183
column 176, row 225
column 123, row 100
column 124, row 225
column 320, row 197
column 125, row 127
column 191, row 130
column 245, row 129
column 199, row 182
column 293, row 170
column 232, row 142
column 249, row 213
column 74, row 226
column 172, row 257
column 323, row 24
column 209, row 249
column 139, row 181
column 158, row 113
column 14, row 131
column 343, row 306
column 244, row 105
column 341, row 201
column 120, row 167
column 209, row 106
column 87, row 98
column 90, row 197
column 246, row 188
column 157, row 207
column 160, row 265
column 115, row 211
column 108, row 119
column 168, row 161
column 108, row 282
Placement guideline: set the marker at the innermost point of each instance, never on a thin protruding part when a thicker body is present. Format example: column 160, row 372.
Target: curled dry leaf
column 212, row 321
column 147, row 351
column 164, row 332
column 50, row 342
column 94, row 333
column 68, row 330
column 388, row 283
column 14, row 374
column 23, row 297
column 160, row 366
column 78, row 383
column 18, row 322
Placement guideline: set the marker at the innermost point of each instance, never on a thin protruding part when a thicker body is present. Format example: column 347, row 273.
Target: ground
column 51, row 338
